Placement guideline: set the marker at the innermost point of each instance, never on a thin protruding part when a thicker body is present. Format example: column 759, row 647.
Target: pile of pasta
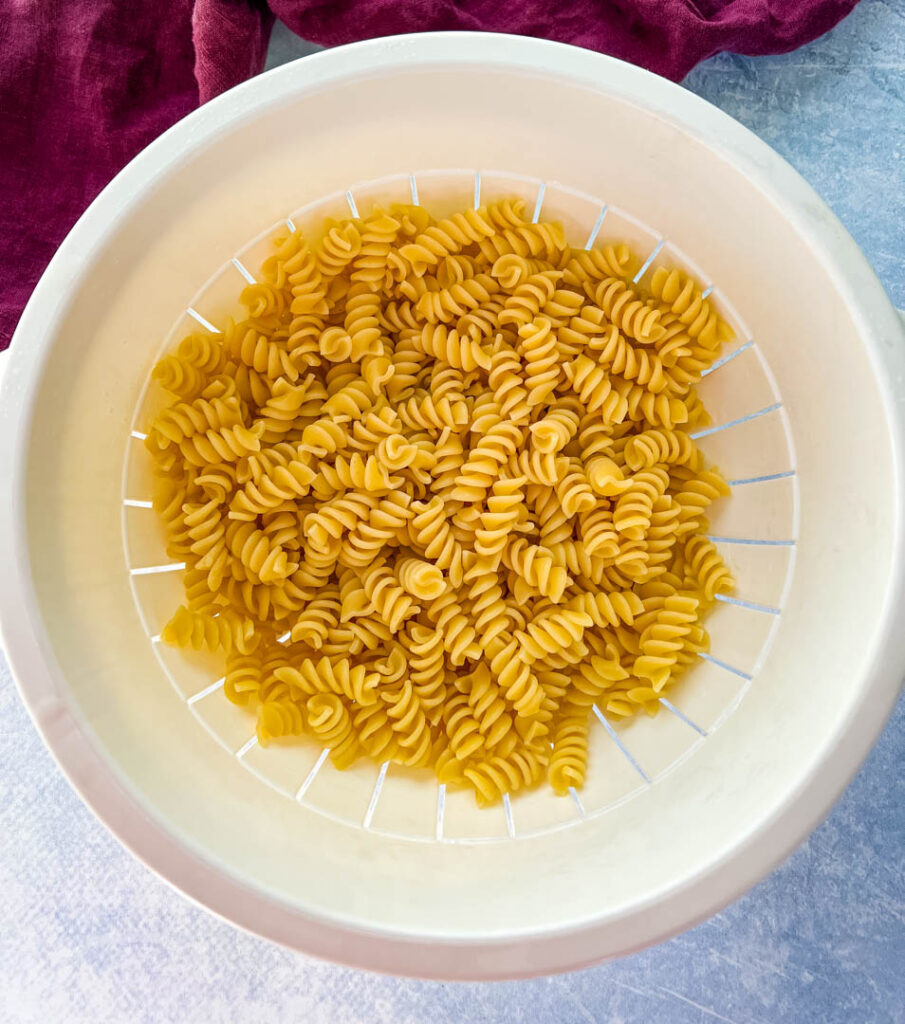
column 437, row 495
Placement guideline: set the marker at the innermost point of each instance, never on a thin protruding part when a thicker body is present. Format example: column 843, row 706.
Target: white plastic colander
column 374, row 866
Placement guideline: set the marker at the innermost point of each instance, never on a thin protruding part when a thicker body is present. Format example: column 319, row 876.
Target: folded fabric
column 85, row 85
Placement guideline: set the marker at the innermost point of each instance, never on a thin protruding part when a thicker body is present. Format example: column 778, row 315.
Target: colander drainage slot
column 375, row 796
column 441, row 807
column 205, row 323
column 138, row 435
column 598, row 224
column 750, row 605
column 573, row 792
column 207, row 691
column 613, row 735
column 726, row 359
column 708, row 431
column 650, row 259
column 137, row 503
column 243, row 270
column 246, row 746
column 761, row 479
column 507, row 810
column 669, row 704
column 150, row 570
column 414, row 187
column 350, row 199
column 538, row 206
column 306, row 785
column 753, row 541
column 725, row 666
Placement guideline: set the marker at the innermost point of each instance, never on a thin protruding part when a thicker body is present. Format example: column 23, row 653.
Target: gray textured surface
column 89, row 935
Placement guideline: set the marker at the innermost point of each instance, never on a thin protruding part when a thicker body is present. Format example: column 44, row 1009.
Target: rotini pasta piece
column 594, row 679
column 529, row 298
column 317, row 619
column 499, row 775
column 633, row 509
column 498, row 522
column 448, row 236
column 243, row 677
column 597, row 532
column 514, row 675
column 340, row 677
column 422, row 411
column 426, row 663
column 257, row 352
column 537, row 347
column 227, row 632
column 551, row 633
column 452, row 624
column 331, row 724
column 553, row 525
column 349, row 402
column 457, row 300
column 666, row 447
column 545, row 240
column 572, row 487
column 536, row 566
column 499, row 441
column 511, row 270
column 353, row 473
column 266, row 561
column 695, row 493
column 489, row 708
column 553, row 432
column 617, row 355
column 661, row 641
column 681, row 296
column 506, row 382
column 410, row 723
column 595, row 389
column 597, row 264
column 569, row 758
column 338, row 248
column 375, row 733
column 431, row 533
column 422, row 580
column 391, row 603
column 186, row 419
column 609, row 609
column 707, row 568
column 226, row 445
column 459, row 351
column 285, row 481
column 626, row 309
column 485, row 602
column 289, row 406
column 278, row 718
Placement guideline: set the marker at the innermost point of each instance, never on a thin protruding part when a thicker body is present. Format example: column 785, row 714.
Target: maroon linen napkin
column 86, row 84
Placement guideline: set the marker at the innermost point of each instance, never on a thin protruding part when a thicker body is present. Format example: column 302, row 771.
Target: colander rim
column 42, row 687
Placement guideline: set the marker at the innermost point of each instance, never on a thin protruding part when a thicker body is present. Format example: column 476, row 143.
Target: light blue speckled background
column 89, row 935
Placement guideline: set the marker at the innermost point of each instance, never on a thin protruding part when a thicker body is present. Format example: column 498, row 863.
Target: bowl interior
column 652, row 817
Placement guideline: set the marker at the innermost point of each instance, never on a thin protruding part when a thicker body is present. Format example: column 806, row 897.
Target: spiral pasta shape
column 437, row 493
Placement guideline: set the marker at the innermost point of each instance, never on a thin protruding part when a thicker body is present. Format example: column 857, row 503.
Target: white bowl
column 677, row 818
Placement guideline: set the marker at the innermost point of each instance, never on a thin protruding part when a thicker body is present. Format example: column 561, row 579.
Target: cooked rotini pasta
column 438, row 494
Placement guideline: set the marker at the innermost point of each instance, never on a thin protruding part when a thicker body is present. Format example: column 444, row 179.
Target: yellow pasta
column 438, row 494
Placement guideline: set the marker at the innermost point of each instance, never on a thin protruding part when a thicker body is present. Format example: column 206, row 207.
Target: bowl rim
column 41, row 684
